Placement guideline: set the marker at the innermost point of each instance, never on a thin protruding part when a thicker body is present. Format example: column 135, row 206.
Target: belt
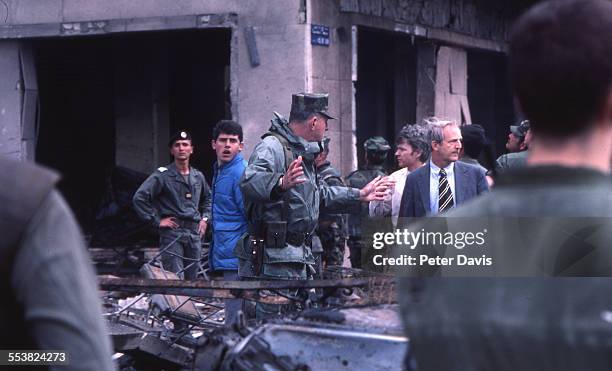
column 188, row 224
column 297, row 239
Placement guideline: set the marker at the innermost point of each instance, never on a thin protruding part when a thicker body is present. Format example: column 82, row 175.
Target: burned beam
column 226, row 289
column 108, row 283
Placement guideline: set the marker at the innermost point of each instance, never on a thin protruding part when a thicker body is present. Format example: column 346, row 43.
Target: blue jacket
column 229, row 220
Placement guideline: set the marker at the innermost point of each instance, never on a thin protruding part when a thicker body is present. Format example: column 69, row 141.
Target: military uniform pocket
column 287, row 254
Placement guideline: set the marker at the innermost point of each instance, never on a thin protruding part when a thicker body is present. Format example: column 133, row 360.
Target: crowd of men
column 288, row 213
column 282, row 214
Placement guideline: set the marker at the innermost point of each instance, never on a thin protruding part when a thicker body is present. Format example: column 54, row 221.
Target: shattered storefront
column 94, row 90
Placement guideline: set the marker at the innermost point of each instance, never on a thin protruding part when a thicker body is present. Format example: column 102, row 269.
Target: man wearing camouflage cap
column 376, row 150
column 516, row 159
column 177, row 200
column 283, row 196
column 516, row 137
column 332, row 226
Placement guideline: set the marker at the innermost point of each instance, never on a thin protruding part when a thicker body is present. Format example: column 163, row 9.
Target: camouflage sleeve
column 205, row 200
column 265, row 168
column 144, row 196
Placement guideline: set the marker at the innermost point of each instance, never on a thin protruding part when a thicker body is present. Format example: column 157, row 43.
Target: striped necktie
column 445, row 195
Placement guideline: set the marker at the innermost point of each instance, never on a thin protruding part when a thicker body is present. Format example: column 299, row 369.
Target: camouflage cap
column 179, row 135
column 305, row 104
column 521, row 129
column 377, row 144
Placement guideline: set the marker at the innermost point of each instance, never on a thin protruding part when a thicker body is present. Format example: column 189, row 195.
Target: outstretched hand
column 377, row 189
column 293, row 175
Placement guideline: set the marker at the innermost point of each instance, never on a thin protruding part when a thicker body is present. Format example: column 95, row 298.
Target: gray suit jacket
column 470, row 181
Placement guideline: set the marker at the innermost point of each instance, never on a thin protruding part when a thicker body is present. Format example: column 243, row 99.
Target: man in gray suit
column 443, row 183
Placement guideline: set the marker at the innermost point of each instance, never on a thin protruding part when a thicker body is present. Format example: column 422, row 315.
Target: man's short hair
column 302, row 119
column 228, row 127
column 416, row 136
column 474, row 139
column 560, row 64
column 436, row 128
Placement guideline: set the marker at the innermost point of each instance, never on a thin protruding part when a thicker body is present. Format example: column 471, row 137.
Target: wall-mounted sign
column 319, row 35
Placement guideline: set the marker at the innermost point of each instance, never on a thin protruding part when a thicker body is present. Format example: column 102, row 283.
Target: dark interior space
column 490, row 96
column 199, row 89
column 76, row 128
column 385, row 87
column 80, row 84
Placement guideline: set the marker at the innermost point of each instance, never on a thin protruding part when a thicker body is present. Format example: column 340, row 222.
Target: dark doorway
column 385, row 88
column 199, row 89
column 98, row 93
column 77, row 131
column 490, row 96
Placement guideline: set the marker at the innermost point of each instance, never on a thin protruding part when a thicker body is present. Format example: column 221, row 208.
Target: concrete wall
column 331, row 73
column 288, row 62
column 256, row 91
column 10, row 100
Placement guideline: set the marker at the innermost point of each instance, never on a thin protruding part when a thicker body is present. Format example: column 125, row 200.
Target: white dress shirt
column 391, row 204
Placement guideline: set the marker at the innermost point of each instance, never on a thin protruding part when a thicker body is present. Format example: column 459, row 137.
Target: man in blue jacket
column 229, row 220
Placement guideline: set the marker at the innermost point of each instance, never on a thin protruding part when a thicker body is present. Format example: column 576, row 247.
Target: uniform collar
column 177, row 174
column 302, row 147
column 374, row 167
column 324, row 165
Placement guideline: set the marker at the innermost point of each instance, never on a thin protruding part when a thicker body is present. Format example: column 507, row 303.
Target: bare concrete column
column 10, row 99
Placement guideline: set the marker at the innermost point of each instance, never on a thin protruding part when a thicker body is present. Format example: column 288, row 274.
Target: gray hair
column 416, row 136
column 436, row 127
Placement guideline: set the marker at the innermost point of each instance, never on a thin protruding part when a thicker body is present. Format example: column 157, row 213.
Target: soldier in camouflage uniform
column 332, row 226
column 283, row 195
column 376, row 150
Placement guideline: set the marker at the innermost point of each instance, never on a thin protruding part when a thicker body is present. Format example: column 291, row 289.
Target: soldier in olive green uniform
column 376, row 150
column 516, row 160
column 177, row 200
column 283, row 195
column 332, row 226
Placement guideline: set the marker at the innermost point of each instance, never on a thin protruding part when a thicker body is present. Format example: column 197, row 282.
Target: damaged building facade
column 90, row 85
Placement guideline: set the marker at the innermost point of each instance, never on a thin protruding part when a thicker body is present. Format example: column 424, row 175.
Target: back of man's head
column 474, row 139
column 560, row 64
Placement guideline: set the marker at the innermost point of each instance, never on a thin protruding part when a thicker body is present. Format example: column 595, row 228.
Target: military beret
column 305, row 104
column 179, row 135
